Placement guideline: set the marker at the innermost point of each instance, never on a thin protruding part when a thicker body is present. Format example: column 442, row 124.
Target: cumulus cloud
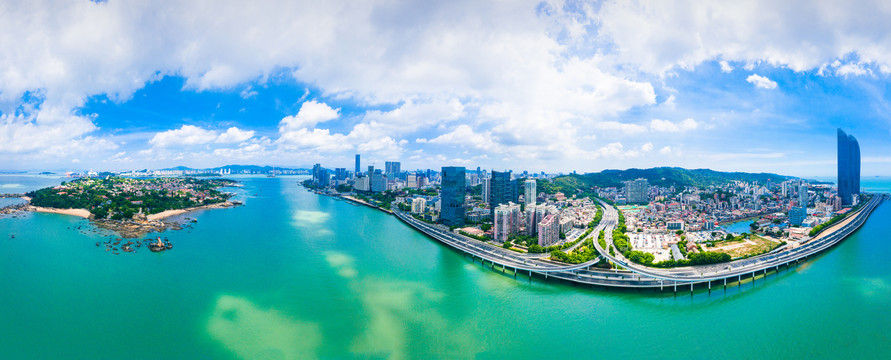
column 761, row 82
column 235, row 135
column 186, row 135
column 311, row 113
column 801, row 35
column 725, row 66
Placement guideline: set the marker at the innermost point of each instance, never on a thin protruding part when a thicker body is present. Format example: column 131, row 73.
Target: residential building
column 418, row 205
column 636, row 191
column 506, row 221
column 453, row 193
column 549, row 230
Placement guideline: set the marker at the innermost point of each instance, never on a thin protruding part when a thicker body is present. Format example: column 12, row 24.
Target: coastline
column 83, row 213
column 168, row 213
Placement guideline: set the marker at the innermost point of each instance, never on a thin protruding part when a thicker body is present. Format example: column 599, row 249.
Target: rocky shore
column 138, row 226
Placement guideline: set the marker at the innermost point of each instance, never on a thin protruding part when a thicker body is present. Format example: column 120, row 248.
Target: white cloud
column 311, row 113
column 658, row 125
column 725, row 66
column 625, row 128
column 184, row 136
column 761, row 82
column 798, row 34
column 235, row 135
column 464, row 135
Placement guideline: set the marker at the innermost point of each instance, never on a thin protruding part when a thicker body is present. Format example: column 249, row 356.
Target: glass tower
column 453, row 192
column 848, row 167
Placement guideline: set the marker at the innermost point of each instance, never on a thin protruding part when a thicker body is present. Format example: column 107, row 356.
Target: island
column 131, row 207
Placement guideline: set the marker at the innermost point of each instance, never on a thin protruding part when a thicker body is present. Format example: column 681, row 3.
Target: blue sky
column 524, row 85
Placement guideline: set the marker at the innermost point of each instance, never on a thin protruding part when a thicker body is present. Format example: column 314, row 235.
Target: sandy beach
column 84, row 213
column 169, row 213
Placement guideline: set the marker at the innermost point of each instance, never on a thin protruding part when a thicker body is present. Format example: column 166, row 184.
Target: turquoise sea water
column 295, row 275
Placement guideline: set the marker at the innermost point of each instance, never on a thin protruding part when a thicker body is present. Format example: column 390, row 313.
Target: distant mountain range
column 661, row 176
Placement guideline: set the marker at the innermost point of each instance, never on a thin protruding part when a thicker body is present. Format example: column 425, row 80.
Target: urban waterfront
column 296, row 275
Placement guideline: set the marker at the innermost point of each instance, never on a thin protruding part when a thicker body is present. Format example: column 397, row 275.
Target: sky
column 554, row 86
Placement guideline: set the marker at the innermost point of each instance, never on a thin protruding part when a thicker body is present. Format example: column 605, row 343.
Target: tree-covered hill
column 661, row 176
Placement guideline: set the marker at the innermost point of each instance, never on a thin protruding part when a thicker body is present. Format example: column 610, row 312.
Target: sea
column 296, row 275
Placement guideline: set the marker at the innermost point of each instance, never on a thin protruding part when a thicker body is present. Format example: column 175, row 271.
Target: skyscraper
column 802, row 194
column 357, row 166
column 392, row 170
column 499, row 190
column 530, row 194
column 486, row 188
column 453, row 192
column 848, row 167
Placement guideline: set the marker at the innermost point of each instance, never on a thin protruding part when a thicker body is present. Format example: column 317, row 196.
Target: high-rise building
column 530, row 194
column 320, row 176
column 378, row 180
column 392, row 170
column 357, row 166
column 486, row 189
column 797, row 215
column 340, row 174
column 453, row 193
column 506, row 221
column 499, row 190
column 802, row 194
column 549, row 230
column 636, row 191
column 848, row 167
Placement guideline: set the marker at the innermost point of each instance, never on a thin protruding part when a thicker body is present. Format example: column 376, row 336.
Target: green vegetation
column 597, row 217
column 121, row 198
column 586, row 184
column 835, row 219
column 586, row 252
column 601, row 239
column 480, row 238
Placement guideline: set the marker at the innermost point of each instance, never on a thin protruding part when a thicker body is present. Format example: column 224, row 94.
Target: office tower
column 530, row 194
column 499, row 190
column 848, row 167
column 802, row 194
column 797, row 215
column 392, row 170
column 486, row 189
column 378, row 180
column 453, row 192
column 357, row 166
column 636, row 191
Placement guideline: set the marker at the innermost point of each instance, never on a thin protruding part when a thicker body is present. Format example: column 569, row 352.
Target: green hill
column 661, row 176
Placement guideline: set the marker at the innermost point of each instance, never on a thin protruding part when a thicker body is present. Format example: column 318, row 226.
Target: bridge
column 639, row 276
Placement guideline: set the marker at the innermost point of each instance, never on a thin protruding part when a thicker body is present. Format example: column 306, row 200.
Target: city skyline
column 574, row 86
